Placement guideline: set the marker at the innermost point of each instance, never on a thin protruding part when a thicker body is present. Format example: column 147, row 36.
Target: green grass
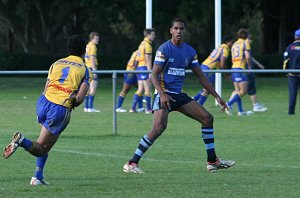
column 87, row 160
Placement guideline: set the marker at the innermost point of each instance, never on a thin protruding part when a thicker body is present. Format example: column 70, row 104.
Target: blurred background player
column 241, row 58
column 129, row 80
column 92, row 62
column 216, row 60
column 292, row 61
column 66, row 87
column 256, row 106
column 172, row 59
column 144, row 58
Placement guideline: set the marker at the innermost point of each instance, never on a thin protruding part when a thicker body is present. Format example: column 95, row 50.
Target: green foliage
column 87, row 160
column 26, row 62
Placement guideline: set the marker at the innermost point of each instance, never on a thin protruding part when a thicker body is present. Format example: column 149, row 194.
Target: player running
column 66, row 87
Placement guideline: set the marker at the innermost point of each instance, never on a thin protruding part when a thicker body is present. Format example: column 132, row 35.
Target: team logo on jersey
column 176, row 71
column 159, row 57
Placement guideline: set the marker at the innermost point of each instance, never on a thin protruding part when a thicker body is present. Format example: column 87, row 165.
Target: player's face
column 152, row 36
column 96, row 40
column 177, row 31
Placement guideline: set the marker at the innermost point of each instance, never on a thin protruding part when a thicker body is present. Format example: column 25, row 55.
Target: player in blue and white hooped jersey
column 168, row 74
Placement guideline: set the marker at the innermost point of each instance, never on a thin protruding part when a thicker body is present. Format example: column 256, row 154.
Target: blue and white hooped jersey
column 175, row 60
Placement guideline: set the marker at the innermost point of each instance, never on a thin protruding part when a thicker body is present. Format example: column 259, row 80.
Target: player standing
column 168, row 73
column 292, row 61
column 67, row 84
column 92, row 62
column 241, row 57
column 144, row 58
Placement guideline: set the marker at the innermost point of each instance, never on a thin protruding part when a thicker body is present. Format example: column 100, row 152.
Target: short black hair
column 148, row 31
column 243, row 33
column 227, row 39
column 180, row 20
column 76, row 45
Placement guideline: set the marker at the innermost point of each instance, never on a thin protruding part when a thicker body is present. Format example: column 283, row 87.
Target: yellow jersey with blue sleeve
column 214, row 59
column 91, row 51
column 238, row 53
column 144, row 48
column 132, row 63
column 64, row 79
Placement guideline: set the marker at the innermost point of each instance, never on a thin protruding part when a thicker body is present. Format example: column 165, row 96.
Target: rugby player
column 168, row 73
column 66, row 87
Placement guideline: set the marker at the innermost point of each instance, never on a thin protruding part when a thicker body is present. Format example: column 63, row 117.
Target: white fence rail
column 116, row 72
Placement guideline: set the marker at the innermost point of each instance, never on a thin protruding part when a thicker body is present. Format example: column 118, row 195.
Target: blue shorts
column 142, row 76
column 238, row 77
column 209, row 76
column 181, row 99
column 130, row 79
column 52, row 116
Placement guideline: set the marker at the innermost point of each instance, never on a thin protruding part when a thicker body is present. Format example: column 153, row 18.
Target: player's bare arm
column 223, row 63
column 79, row 98
column 208, row 86
column 248, row 59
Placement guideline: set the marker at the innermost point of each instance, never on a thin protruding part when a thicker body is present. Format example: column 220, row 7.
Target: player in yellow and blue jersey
column 129, row 80
column 171, row 61
column 241, row 59
column 216, row 60
column 66, row 87
column 92, row 62
column 144, row 58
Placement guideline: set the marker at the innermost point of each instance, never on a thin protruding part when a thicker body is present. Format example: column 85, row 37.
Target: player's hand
column 165, row 101
column 222, row 103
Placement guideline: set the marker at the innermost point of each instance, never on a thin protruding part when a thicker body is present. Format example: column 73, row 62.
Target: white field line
column 163, row 161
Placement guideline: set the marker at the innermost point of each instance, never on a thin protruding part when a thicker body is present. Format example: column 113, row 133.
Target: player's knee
column 159, row 128
column 123, row 93
column 208, row 120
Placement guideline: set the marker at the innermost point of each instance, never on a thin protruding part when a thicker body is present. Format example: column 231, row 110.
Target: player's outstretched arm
column 209, row 87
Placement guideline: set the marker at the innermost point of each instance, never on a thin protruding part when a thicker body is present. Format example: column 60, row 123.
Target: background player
column 129, row 80
column 241, row 58
column 292, row 61
column 216, row 60
column 92, row 62
column 145, row 58
column 67, row 84
column 257, row 107
column 168, row 73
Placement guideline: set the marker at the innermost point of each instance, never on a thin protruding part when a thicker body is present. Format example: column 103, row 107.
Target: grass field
column 87, row 160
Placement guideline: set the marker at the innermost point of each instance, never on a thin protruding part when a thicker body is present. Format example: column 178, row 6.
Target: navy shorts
column 142, row 76
column 181, row 99
column 130, row 79
column 52, row 116
column 251, row 84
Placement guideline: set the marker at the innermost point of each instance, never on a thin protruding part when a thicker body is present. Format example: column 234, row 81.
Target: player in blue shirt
column 292, row 61
column 168, row 73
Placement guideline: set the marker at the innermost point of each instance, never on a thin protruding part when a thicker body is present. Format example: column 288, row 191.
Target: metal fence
column 115, row 73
